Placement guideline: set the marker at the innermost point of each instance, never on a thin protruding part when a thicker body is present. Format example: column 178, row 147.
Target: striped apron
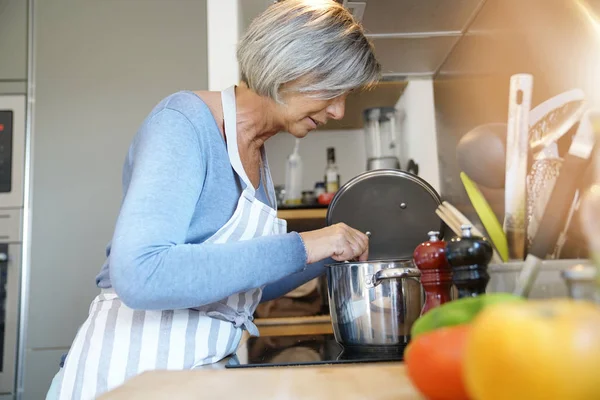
column 116, row 342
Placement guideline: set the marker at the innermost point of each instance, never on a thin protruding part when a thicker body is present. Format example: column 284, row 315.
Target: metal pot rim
column 391, row 262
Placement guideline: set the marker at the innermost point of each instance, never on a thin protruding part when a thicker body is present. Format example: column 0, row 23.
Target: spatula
column 517, row 149
column 487, row 216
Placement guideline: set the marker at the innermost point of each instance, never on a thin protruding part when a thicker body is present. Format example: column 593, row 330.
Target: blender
column 381, row 138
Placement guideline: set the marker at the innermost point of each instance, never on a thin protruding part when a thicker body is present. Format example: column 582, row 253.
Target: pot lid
column 396, row 207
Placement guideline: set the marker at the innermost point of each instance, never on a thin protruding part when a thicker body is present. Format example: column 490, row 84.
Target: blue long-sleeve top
column 178, row 189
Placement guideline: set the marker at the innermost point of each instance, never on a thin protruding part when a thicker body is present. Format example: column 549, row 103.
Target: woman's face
column 302, row 113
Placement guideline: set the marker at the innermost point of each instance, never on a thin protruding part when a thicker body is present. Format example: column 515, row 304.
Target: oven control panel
column 6, row 150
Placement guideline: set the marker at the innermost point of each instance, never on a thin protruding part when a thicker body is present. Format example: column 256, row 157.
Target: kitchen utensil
column 398, row 208
column 436, row 274
column 549, row 122
column 487, row 216
column 562, row 237
column 448, row 219
column 555, row 213
column 373, row 304
column 517, row 147
column 469, row 256
column 381, row 138
column 481, row 154
column 455, row 219
column 553, row 118
column 540, row 182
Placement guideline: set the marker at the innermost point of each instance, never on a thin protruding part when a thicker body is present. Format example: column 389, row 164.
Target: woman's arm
column 277, row 289
column 150, row 265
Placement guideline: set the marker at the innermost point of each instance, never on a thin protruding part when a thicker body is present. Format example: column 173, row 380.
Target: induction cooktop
column 277, row 351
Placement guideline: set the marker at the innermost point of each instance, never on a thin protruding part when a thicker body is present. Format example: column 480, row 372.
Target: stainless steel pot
column 373, row 303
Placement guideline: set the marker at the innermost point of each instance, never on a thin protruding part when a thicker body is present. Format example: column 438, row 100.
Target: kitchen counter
column 347, row 381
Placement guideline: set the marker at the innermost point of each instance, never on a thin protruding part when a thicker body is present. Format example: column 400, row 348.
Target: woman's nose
column 336, row 109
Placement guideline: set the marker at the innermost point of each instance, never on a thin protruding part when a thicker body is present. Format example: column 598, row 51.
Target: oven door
column 10, row 276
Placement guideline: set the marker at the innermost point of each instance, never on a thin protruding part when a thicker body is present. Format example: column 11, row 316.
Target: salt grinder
column 436, row 274
column 469, row 257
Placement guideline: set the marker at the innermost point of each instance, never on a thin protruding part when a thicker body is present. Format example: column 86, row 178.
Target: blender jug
column 381, row 138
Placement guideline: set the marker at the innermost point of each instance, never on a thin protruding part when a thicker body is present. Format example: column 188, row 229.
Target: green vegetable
column 457, row 312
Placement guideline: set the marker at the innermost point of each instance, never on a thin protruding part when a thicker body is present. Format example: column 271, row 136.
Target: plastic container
column 549, row 282
column 293, row 177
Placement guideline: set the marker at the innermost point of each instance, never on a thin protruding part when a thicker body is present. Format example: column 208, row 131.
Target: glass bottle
column 332, row 176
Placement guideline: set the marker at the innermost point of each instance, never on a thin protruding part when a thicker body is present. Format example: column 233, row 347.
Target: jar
column 308, row 197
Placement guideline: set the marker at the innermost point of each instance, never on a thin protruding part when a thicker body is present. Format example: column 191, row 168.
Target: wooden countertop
column 344, row 381
column 348, row 382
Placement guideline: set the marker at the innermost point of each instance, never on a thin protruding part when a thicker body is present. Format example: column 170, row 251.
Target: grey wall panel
column 13, row 87
column 13, row 40
column 101, row 66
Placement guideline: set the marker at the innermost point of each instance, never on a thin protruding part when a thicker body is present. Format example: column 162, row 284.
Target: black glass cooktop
column 277, row 351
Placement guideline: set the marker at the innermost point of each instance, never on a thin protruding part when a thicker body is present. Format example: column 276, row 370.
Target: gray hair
column 315, row 42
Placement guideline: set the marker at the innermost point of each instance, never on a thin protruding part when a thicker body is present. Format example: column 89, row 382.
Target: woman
column 197, row 244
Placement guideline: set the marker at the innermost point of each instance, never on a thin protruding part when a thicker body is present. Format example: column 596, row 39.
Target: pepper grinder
column 436, row 274
column 469, row 257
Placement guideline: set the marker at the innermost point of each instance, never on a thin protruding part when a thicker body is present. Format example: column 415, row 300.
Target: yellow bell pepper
column 543, row 349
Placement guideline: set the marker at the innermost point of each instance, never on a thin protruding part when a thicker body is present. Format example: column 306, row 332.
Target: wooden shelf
column 317, row 325
column 287, row 321
column 301, row 214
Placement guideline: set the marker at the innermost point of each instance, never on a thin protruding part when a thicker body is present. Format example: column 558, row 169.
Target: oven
column 12, row 154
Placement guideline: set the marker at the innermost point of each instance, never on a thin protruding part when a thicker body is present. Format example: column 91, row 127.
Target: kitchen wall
column 556, row 41
column 100, row 68
column 418, row 129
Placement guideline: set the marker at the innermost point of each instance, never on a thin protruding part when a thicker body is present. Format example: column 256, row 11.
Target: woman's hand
column 338, row 241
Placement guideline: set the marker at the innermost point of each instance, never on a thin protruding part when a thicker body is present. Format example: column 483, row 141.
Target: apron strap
column 229, row 119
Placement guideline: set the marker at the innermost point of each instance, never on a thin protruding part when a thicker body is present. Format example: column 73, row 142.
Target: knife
column 561, row 199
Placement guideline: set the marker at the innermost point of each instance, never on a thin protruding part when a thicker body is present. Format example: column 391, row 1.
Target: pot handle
column 391, row 273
